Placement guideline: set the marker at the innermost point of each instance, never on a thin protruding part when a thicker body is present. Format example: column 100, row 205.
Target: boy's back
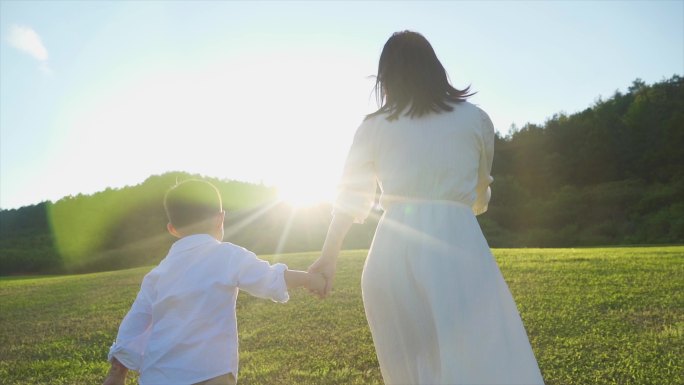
column 182, row 327
column 187, row 305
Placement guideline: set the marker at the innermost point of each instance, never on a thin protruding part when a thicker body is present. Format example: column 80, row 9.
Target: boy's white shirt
column 182, row 327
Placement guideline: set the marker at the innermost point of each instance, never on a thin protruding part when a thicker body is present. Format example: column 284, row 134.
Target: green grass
column 594, row 316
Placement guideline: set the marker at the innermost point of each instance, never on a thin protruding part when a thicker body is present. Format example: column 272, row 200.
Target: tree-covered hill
column 111, row 229
column 611, row 174
column 120, row 228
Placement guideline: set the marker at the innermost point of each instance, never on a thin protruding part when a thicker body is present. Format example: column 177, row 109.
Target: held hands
column 326, row 267
column 316, row 284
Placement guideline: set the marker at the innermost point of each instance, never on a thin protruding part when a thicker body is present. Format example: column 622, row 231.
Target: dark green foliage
column 122, row 228
column 611, row 174
column 26, row 242
column 112, row 229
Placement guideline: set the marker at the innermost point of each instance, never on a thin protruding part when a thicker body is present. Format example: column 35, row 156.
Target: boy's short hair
column 192, row 201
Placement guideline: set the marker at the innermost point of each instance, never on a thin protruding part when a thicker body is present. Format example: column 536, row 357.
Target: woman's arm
column 484, row 178
column 326, row 264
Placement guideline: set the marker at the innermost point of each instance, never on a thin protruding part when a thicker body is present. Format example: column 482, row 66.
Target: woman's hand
column 326, row 265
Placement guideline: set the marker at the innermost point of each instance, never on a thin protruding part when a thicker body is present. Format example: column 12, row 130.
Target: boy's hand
column 316, row 284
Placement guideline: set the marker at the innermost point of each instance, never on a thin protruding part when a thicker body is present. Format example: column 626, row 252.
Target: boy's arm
column 265, row 280
column 259, row 278
column 134, row 332
column 313, row 282
column 117, row 374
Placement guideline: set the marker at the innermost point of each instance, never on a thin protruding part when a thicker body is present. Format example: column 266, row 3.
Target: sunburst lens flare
column 300, row 195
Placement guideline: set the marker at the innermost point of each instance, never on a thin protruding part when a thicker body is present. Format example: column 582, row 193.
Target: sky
column 97, row 94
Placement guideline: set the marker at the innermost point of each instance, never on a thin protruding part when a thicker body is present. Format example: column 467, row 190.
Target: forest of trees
column 612, row 174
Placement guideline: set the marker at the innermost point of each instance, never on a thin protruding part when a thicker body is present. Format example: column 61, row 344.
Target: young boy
column 182, row 327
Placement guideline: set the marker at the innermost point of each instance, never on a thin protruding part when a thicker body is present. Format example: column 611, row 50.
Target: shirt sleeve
column 135, row 330
column 484, row 178
column 261, row 279
column 356, row 191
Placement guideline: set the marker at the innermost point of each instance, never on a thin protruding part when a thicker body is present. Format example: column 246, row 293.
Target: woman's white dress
column 438, row 307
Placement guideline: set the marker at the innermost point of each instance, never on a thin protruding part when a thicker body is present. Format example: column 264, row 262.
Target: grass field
column 594, row 316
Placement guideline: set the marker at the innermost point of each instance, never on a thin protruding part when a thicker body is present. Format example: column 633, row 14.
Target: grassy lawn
column 594, row 316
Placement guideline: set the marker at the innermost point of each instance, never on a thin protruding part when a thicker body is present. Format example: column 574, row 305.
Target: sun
column 301, row 195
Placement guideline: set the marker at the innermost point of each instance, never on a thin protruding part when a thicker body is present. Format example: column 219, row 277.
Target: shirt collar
column 190, row 242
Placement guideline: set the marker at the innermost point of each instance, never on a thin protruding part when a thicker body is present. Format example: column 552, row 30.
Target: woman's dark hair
column 409, row 74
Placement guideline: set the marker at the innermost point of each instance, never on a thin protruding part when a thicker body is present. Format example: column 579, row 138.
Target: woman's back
column 439, row 156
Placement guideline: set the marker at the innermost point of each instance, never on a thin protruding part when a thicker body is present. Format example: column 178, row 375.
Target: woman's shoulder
column 369, row 125
column 462, row 112
column 466, row 107
column 472, row 113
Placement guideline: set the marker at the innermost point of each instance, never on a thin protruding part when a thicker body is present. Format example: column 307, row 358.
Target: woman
column 437, row 305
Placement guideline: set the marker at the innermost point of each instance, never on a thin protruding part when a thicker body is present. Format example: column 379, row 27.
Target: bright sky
column 97, row 94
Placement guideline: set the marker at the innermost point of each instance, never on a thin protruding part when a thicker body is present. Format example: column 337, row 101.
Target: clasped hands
column 325, row 268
